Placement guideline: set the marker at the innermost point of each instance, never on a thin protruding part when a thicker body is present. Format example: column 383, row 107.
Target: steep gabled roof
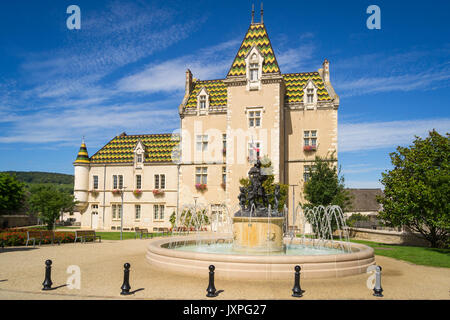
column 296, row 81
column 217, row 93
column 256, row 35
column 364, row 200
column 158, row 148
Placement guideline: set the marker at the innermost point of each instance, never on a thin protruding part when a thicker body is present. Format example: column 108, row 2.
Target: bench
column 161, row 231
column 141, row 232
column 86, row 234
column 40, row 235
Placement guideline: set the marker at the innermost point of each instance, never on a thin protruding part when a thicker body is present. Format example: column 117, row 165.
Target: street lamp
column 121, row 213
column 293, row 204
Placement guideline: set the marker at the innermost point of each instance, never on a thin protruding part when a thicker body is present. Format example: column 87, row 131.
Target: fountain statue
column 256, row 226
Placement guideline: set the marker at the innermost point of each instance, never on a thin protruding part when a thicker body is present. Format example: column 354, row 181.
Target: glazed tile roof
column 82, row 156
column 158, row 148
column 296, row 81
column 256, row 35
column 217, row 93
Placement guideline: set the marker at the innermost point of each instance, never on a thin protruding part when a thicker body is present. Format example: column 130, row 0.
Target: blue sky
column 124, row 71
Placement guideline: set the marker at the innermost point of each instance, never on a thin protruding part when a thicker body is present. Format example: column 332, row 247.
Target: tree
column 325, row 186
column 417, row 190
column 49, row 202
column 12, row 194
column 269, row 185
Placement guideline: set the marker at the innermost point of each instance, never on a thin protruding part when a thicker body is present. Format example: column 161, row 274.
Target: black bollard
column 297, row 291
column 377, row 290
column 126, row 280
column 211, row 288
column 48, row 275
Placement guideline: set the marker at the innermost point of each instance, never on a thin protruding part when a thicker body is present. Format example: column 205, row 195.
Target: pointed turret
column 256, row 36
column 82, row 156
column 81, row 183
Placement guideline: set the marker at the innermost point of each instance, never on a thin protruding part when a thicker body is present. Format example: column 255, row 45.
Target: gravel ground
column 101, row 264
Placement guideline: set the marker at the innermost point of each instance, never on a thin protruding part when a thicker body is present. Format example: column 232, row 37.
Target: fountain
column 257, row 243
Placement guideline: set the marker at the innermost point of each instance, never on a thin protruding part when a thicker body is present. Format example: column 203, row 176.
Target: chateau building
column 225, row 125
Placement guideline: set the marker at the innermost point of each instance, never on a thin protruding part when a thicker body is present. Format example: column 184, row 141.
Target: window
column 307, row 170
column 310, row 138
column 224, row 175
column 201, row 175
column 202, row 102
column 137, row 209
column 160, row 181
column 158, row 212
column 139, row 158
column 155, row 211
column 202, row 142
column 95, row 182
column 224, row 142
column 116, row 211
column 254, row 71
column 310, row 95
column 254, row 118
column 117, row 181
column 94, row 208
column 254, row 150
column 138, row 181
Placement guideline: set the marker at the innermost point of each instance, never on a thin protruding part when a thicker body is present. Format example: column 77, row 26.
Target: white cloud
column 168, row 76
column 376, row 135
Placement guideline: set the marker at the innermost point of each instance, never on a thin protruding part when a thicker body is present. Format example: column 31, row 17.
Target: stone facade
column 225, row 125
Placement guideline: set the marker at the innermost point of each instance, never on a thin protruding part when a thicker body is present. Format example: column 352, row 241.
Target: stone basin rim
column 360, row 252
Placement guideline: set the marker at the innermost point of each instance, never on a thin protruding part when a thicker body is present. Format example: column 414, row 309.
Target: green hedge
column 15, row 238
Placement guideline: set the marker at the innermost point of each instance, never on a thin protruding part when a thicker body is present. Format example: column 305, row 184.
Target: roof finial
column 262, row 13
column 82, row 141
column 253, row 13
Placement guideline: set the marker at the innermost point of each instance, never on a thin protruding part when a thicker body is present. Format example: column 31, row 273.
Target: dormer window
column 254, row 61
column 254, row 72
column 139, row 152
column 203, row 101
column 310, row 95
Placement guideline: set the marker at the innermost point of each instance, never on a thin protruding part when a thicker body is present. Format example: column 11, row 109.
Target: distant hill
column 33, row 177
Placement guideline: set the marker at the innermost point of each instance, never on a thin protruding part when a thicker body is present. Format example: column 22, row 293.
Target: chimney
column 188, row 86
column 326, row 71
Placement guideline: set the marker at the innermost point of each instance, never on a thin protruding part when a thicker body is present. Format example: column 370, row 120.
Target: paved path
column 101, row 264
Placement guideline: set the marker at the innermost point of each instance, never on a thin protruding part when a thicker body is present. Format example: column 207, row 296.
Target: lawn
column 417, row 255
column 116, row 235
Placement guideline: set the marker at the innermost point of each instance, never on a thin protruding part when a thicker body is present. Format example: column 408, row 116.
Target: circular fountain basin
column 168, row 254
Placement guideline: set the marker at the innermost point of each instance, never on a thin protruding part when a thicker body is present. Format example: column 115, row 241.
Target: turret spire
column 253, row 13
column 82, row 156
column 262, row 13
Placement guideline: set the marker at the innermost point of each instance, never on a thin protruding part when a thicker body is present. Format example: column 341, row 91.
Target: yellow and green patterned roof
column 296, row 81
column 217, row 93
column 158, row 148
column 256, row 35
column 82, row 156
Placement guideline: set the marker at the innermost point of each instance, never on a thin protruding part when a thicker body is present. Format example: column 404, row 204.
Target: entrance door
column 94, row 216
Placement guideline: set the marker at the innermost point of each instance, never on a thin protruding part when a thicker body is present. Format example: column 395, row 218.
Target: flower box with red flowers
column 309, row 148
column 94, row 193
column 200, row 186
column 137, row 192
column 115, row 191
column 158, row 192
column 223, row 185
column 224, row 151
